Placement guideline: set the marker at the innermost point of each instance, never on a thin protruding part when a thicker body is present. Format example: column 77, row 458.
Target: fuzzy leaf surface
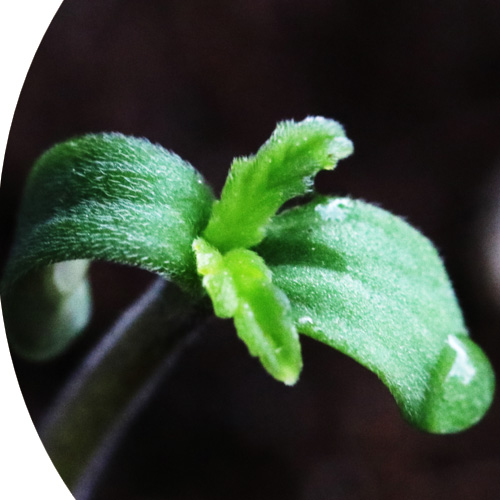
column 115, row 198
column 365, row 282
column 283, row 168
column 97, row 197
column 240, row 286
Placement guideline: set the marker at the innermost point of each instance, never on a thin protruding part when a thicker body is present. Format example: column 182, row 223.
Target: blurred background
column 417, row 87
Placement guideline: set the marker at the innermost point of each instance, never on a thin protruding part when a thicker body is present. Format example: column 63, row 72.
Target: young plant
column 339, row 270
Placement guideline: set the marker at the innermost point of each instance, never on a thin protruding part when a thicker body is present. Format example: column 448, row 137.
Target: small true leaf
column 363, row 281
column 240, row 286
column 283, row 168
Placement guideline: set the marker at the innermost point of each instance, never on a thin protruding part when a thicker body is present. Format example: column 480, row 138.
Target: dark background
column 417, row 86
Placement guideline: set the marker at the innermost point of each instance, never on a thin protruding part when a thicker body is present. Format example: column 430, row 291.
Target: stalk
column 94, row 409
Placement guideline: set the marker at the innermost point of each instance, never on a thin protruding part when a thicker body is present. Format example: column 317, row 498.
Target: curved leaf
column 115, row 198
column 363, row 281
column 109, row 197
column 47, row 308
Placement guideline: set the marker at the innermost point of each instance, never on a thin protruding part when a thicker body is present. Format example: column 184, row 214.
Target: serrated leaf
column 240, row 286
column 283, row 168
column 363, row 281
column 114, row 198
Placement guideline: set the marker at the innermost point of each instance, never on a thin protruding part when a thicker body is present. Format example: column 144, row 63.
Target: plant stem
column 96, row 406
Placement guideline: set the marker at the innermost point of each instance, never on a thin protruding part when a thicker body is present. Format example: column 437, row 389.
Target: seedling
column 342, row 271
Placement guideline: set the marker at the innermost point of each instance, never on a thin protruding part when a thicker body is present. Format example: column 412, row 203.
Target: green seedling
column 342, row 271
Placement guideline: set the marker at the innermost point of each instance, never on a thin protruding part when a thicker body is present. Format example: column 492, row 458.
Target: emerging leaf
column 363, row 281
column 237, row 280
column 239, row 284
column 283, row 168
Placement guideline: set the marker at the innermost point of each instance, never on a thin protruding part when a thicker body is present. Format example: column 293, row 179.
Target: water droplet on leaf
column 305, row 320
column 335, row 210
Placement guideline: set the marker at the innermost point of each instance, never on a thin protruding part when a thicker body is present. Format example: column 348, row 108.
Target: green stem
column 102, row 398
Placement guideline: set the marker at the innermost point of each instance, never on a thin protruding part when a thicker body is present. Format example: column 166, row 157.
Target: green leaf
column 283, row 168
column 363, row 281
column 114, row 198
column 240, row 286
column 47, row 308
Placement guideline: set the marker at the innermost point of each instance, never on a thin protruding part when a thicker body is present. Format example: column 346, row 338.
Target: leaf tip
column 290, row 377
column 460, row 390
